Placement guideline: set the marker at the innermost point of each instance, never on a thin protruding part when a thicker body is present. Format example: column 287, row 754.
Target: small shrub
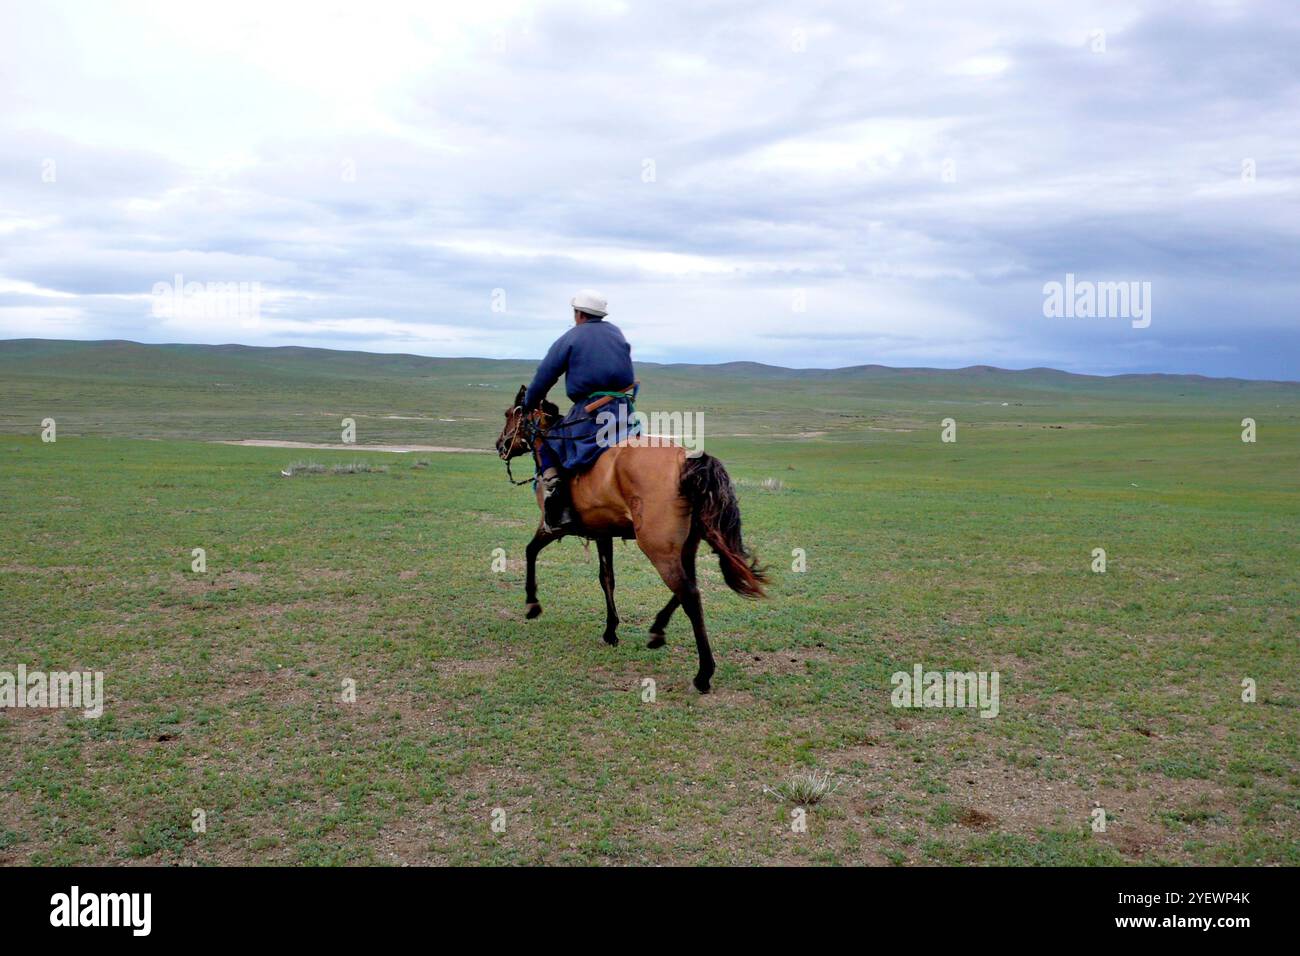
column 805, row 787
column 767, row 484
column 316, row 468
column 358, row 468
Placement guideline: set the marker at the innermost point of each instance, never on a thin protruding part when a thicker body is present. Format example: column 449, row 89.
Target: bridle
column 523, row 423
column 529, row 430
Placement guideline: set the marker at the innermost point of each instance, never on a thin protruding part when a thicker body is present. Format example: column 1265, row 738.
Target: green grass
column 224, row 689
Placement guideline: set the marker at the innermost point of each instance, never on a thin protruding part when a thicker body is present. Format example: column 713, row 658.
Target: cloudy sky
column 799, row 183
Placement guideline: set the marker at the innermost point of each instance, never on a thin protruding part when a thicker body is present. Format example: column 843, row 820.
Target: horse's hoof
column 656, row 640
column 610, row 638
column 533, row 610
column 701, row 684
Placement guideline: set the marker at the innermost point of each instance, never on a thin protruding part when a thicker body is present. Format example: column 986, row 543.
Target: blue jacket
column 592, row 357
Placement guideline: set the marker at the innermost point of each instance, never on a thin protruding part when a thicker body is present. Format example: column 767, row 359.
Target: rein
column 528, row 428
column 511, row 478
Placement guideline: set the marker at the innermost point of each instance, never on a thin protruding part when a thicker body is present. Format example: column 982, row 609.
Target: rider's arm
column 553, row 366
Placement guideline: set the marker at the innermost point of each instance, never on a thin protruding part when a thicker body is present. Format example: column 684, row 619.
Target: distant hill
column 123, row 353
column 292, row 392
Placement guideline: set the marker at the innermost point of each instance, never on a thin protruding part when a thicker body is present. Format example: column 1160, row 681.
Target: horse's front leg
column 540, row 540
column 605, row 550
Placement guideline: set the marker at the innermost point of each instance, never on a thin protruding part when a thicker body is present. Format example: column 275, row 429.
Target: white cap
column 591, row 302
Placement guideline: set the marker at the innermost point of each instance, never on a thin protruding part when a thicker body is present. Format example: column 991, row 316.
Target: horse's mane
column 551, row 411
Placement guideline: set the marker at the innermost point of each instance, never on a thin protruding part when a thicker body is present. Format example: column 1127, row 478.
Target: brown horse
column 650, row 491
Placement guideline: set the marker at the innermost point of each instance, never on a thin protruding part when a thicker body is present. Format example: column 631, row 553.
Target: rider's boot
column 557, row 511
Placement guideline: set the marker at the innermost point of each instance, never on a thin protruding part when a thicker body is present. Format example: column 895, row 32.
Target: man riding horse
column 596, row 363
column 647, row 490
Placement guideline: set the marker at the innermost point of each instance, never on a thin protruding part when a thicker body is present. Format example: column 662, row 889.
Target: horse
column 651, row 491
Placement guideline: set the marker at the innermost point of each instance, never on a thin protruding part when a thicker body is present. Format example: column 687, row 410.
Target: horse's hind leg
column 660, row 625
column 671, row 565
column 657, row 638
column 694, row 610
column 605, row 550
column 540, row 540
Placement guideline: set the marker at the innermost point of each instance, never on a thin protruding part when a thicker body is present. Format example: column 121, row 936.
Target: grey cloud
column 777, row 169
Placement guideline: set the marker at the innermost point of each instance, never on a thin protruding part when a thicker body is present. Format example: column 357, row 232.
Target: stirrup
column 566, row 520
column 567, row 523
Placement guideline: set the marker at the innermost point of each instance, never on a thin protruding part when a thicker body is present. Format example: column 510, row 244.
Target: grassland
column 1121, row 690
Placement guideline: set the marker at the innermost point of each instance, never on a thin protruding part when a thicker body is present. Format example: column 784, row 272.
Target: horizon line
column 982, row 367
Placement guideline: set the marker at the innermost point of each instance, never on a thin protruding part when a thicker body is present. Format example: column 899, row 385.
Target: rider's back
column 599, row 359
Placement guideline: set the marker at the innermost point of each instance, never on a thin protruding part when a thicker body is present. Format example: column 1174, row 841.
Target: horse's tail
column 715, row 512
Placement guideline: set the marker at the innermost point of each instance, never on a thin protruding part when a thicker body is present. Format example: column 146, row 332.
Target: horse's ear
column 519, row 397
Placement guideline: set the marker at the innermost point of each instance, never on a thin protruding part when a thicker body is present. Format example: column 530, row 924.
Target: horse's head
column 519, row 431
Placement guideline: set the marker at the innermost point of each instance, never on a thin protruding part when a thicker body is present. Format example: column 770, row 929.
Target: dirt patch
column 792, row 660
column 488, row 666
column 193, row 583
column 812, row 434
column 496, row 521
column 1018, row 801
column 339, row 446
column 34, row 569
column 977, row 819
column 329, row 574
